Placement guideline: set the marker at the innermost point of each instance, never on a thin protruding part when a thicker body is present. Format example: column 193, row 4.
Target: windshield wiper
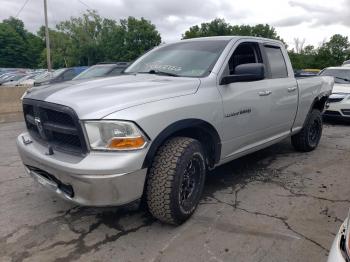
column 157, row 72
column 344, row 79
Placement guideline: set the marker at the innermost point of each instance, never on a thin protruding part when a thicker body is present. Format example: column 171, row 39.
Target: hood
column 95, row 99
column 341, row 88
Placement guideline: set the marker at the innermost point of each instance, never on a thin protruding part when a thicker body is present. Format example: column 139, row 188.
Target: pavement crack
column 287, row 225
column 81, row 248
column 282, row 219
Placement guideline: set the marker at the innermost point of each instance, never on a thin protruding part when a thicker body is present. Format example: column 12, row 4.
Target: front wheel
column 176, row 180
column 309, row 137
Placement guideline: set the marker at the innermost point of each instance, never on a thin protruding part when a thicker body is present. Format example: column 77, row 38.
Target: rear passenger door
column 283, row 90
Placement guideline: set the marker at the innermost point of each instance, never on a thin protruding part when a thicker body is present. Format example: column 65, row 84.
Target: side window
column 245, row 53
column 276, row 61
column 68, row 75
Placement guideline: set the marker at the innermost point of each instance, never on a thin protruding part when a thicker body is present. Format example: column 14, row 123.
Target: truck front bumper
column 97, row 179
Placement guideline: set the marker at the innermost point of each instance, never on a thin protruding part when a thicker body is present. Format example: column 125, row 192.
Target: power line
column 20, row 10
column 83, row 3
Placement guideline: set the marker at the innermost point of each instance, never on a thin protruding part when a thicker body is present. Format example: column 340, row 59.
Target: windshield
column 58, row 72
column 190, row 59
column 95, row 71
column 49, row 75
column 16, row 77
column 341, row 76
column 41, row 75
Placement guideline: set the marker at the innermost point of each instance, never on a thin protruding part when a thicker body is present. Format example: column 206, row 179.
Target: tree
column 60, row 44
column 90, row 39
column 84, row 33
column 335, row 51
column 12, row 47
column 216, row 27
column 18, row 47
column 331, row 53
column 139, row 37
column 219, row 27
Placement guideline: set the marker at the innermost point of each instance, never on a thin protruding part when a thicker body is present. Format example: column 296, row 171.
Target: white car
column 30, row 81
column 340, row 251
column 338, row 105
column 17, row 82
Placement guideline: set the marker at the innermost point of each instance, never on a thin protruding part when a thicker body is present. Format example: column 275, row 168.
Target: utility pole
column 48, row 52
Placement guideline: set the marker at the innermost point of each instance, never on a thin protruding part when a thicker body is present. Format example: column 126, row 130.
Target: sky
column 314, row 21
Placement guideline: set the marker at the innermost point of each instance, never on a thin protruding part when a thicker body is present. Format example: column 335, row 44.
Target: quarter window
column 276, row 61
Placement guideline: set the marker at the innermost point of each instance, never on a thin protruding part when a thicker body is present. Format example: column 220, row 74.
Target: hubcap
column 190, row 182
column 314, row 132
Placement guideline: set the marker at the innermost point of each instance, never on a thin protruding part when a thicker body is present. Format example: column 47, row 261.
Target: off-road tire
column 304, row 141
column 166, row 177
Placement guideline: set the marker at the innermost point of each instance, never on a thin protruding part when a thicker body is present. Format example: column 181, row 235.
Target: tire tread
column 162, row 175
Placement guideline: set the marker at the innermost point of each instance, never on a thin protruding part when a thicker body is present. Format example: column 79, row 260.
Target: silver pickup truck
column 176, row 112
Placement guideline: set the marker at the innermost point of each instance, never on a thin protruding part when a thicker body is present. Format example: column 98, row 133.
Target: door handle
column 291, row 89
column 265, row 93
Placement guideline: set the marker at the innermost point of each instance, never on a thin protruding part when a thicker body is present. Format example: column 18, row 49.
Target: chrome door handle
column 265, row 93
column 291, row 89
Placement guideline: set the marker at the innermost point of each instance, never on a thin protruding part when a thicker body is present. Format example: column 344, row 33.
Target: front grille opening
column 54, row 125
column 67, row 189
column 332, row 113
column 335, row 100
column 59, row 117
column 346, row 112
column 62, row 139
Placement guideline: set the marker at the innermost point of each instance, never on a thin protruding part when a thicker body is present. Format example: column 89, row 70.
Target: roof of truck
column 230, row 37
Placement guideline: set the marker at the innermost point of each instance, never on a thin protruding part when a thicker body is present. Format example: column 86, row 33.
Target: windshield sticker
column 158, row 66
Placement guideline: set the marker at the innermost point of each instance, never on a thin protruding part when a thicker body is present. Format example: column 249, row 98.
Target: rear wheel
column 309, row 137
column 176, row 180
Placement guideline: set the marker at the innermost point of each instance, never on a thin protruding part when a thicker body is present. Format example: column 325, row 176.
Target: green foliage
column 84, row 40
column 219, row 27
column 331, row 53
column 90, row 39
column 18, row 47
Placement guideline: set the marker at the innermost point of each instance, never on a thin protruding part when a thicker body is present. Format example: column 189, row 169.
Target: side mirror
column 245, row 73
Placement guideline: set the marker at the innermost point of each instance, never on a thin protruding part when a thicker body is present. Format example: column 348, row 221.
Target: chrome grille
column 54, row 125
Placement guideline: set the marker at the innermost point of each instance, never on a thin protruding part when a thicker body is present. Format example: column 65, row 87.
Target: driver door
column 247, row 105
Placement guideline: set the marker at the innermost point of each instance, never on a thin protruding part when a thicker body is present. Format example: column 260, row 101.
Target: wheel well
column 320, row 103
column 193, row 128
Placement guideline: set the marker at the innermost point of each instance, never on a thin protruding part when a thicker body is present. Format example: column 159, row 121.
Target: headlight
column 114, row 135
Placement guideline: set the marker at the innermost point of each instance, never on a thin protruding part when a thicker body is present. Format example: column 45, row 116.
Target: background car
column 30, row 81
column 103, row 70
column 338, row 105
column 347, row 62
column 340, row 251
column 10, row 78
column 307, row 72
column 60, row 75
column 24, row 78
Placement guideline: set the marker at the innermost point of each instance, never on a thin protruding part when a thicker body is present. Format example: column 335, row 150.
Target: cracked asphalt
column 273, row 205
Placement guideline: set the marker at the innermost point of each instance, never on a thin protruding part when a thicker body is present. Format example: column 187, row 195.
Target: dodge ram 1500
column 176, row 112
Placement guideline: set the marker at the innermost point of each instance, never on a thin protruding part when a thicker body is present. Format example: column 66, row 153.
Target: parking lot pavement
column 274, row 205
